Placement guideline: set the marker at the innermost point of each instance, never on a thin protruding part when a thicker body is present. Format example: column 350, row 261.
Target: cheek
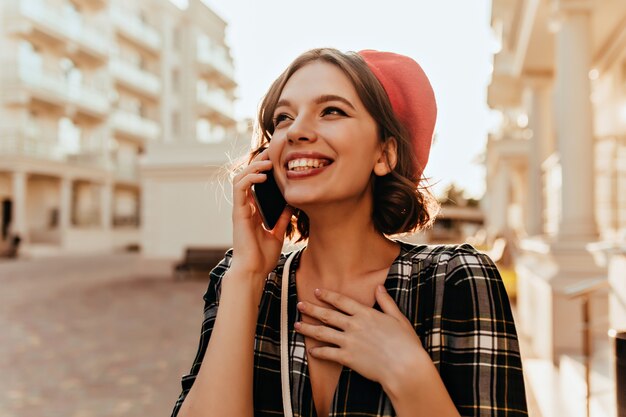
column 274, row 150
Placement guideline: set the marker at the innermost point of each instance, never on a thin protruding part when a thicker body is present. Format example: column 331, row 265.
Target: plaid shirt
column 455, row 298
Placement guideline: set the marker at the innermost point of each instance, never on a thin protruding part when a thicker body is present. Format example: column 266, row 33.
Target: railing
column 585, row 290
column 72, row 28
column 217, row 59
column 135, row 125
column 131, row 25
column 217, row 101
column 125, row 171
column 135, row 77
column 552, row 183
column 80, row 94
column 25, row 143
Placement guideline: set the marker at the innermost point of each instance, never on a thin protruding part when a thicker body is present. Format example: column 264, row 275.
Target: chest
column 324, row 375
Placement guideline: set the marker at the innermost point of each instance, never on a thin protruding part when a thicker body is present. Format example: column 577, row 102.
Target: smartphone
column 269, row 200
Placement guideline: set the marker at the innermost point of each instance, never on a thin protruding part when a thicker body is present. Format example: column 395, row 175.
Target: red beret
column 411, row 95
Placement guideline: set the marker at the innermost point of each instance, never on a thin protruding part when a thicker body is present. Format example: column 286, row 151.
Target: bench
column 10, row 247
column 198, row 261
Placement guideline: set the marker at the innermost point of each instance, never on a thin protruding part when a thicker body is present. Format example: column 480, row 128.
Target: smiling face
column 325, row 144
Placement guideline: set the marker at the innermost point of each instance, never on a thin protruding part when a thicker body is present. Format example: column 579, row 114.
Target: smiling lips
column 302, row 164
column 306, row 167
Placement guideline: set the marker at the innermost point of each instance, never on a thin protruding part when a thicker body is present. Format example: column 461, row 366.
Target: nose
column 301, row 130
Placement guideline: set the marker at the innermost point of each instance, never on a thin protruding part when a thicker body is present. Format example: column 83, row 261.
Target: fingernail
column 297, row 325
column 381, row 288
column 300, row 305
column 318, row 292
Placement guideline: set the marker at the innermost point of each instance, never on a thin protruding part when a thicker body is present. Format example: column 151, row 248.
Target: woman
column 375, row 326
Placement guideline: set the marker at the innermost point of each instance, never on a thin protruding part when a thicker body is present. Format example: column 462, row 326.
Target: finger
column 282, row 223
column 342, row 302
column 321, row 333
column 240, row 189
column 259, row 166
column 329, row 353
column 387, row 303
column 325, row 315
column 264, row 154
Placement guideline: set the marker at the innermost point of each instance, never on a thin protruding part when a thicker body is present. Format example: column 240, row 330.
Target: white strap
column 284, row 341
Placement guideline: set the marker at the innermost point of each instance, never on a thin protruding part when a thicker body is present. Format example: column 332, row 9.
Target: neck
column 343, row 245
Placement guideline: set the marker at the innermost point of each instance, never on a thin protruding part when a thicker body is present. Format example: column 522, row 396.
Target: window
column 203, row 130
column 30, row 59
column 176, row 38
column 142, row 111
column 176, row 81
column 69, row 136
column 72, row 75
column 175, row 123
column 33, row 127
column 204, row 42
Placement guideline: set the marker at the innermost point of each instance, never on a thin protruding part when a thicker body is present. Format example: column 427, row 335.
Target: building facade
column 86, row 87
column 556, row 172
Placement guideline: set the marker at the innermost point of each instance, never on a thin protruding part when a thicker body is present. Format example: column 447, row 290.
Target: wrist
column 403, row 377
column 244, row 274
column 244, row 280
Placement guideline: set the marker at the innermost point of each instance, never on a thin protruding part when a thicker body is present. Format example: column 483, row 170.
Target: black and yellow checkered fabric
column 455, row 298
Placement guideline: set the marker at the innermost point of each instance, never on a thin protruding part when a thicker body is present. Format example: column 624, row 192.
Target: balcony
column 89, row 159
column 135, row 78
column 31, row 142
column 125, row 172
column 38, row 18
column 54, row 88
column 216, row 104
column 135, row 126
column 134, row 29
column 214, row 61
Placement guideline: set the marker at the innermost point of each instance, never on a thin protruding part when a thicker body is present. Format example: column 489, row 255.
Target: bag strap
column 284, row 341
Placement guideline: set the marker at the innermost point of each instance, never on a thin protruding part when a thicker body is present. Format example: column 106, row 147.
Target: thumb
column 387, row 303
column 283, row 221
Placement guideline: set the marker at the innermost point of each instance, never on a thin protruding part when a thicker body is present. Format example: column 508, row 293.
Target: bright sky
column 451, row 39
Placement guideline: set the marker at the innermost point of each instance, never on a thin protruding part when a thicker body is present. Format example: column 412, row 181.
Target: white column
column 574, row 124
column 19, row 225
column 65, row 206
column 539, row 106
column 617, row 298
column 106, row 202
column 499, row 206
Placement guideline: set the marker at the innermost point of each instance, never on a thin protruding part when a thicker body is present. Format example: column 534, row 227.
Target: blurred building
column 556, row 172
column 87, row 88
column 459, row 220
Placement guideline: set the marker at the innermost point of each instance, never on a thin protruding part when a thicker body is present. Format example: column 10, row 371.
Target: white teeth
column 302, row 164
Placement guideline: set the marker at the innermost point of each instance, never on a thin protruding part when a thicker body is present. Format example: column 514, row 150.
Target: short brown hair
column 399, row 205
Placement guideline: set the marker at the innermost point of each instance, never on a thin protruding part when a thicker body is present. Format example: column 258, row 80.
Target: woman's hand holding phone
column 255, row 249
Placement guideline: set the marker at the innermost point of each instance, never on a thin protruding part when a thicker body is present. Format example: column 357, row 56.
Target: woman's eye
column 280, row 118
column 334, row 111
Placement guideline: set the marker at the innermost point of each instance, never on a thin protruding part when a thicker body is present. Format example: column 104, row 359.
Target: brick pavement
column 94, row 336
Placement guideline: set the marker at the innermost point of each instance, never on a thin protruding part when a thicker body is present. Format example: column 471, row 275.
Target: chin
column 302, row 199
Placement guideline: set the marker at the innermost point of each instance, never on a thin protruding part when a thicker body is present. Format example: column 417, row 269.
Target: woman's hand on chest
column 378, row 345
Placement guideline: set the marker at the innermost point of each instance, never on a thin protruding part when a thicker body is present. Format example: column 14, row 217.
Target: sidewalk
column 557, row 392
column 527, row 357
column 92, row 336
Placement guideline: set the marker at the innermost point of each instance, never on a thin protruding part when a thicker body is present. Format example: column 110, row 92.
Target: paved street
column 94, row 336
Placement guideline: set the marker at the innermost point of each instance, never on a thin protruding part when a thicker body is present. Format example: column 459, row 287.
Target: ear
column 389, row 156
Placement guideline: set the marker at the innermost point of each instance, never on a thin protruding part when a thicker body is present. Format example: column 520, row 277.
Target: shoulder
column 448, row 262
column 440, row 255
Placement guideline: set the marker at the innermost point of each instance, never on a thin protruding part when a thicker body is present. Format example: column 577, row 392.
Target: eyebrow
column 319, row 100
